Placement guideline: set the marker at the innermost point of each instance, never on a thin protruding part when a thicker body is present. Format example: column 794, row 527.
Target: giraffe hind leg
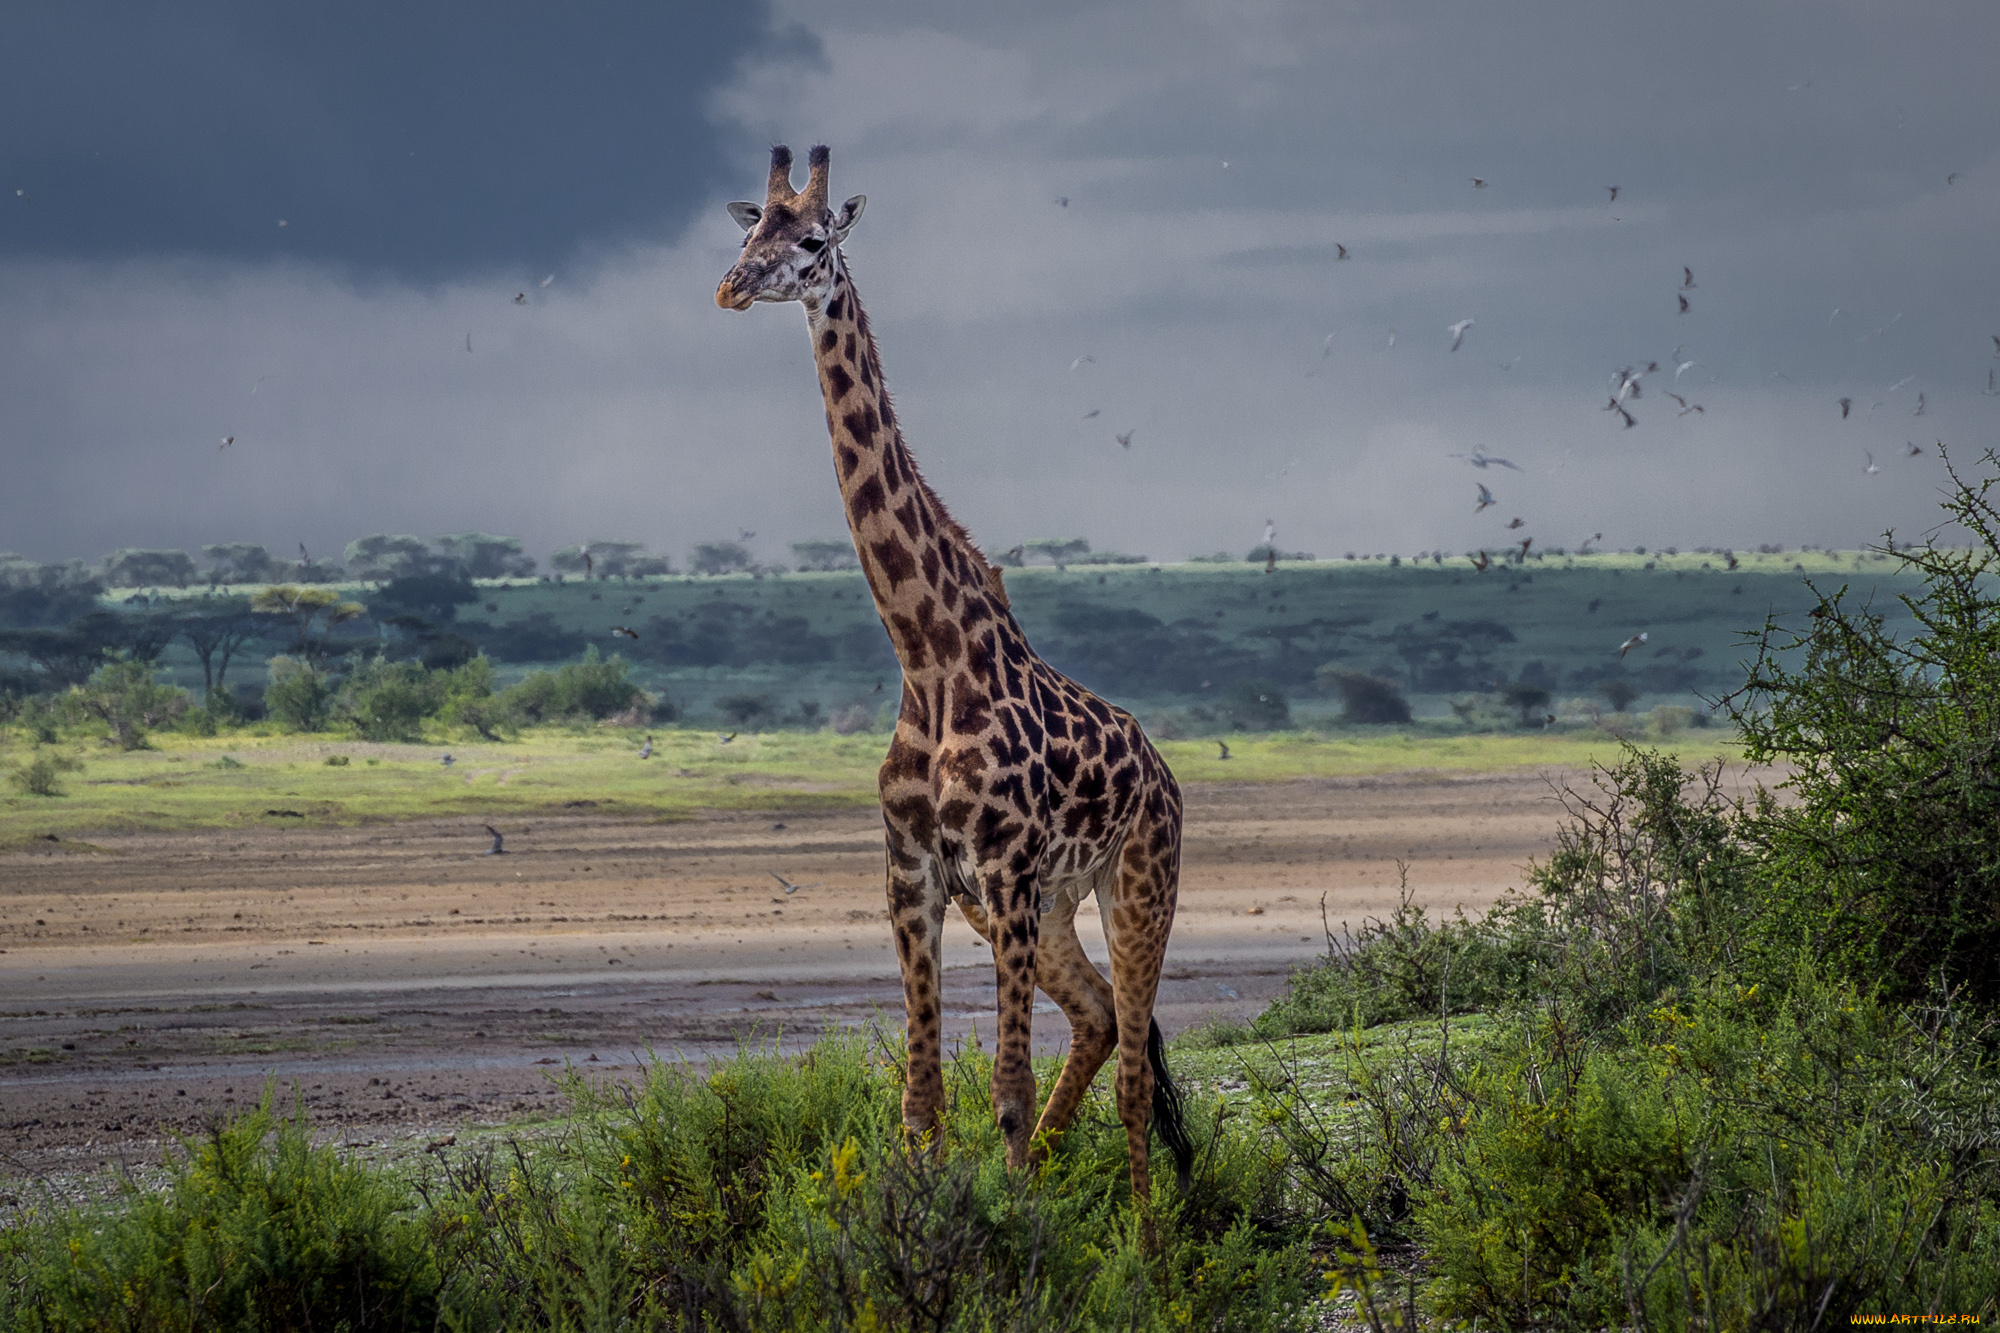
column 1066, row 975
column 1137, row 921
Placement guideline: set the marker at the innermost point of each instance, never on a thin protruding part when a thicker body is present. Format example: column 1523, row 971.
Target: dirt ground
column 411, row 983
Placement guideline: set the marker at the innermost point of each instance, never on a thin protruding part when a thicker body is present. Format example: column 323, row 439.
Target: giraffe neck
column 931, row 584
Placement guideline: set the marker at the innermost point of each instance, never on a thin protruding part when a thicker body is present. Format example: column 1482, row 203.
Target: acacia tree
column 481, row 555
column 821, row 554
column 308, row 615
column 241, row 562
column 720, row 558
column 215, row 632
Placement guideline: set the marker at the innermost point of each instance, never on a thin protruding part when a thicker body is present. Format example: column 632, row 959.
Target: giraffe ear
column 746, row 214
column 850, row 213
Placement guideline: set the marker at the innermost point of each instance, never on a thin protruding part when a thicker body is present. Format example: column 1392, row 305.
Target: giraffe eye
column 812, row 245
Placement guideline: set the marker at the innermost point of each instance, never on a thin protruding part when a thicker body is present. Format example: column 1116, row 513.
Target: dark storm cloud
column 1795, row 157
column 418, row 140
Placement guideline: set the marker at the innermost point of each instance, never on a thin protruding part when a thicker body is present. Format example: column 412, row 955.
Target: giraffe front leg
column 1014, row 921
column 916, row 916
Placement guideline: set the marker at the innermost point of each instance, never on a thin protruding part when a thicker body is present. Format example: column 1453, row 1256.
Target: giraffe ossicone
column 1007, row 788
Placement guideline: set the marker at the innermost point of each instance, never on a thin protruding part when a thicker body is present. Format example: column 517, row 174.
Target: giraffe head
column 791, row 244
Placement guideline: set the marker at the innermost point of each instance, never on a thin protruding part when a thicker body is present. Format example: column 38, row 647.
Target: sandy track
column 394, row 976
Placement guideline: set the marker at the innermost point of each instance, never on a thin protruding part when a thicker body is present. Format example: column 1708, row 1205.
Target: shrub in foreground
column 770, row 1193
column 257, row 1229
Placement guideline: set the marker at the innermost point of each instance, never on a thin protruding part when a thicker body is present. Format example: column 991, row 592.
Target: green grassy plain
column 236, row 781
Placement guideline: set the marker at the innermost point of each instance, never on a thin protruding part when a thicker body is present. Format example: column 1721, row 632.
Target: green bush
column 42, row 775
column 1885, row 858
column 591, row 688
column 771, row 1193
column 1738, row 1163
column 1365, row 699
column 256, row 1229
column 300, row 696
column 128, row 700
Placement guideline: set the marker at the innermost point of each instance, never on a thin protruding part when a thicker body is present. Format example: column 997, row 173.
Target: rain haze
column 457, row 272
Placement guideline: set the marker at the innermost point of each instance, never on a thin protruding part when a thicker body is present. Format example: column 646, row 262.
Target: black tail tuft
column 1169, row 1117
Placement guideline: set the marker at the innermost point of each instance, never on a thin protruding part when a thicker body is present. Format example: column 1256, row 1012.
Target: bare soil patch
column 398, row 980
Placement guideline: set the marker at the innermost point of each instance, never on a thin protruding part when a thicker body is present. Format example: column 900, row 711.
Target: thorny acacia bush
column 1887, row 863
column 769, row 1194
column 1667, row 1127
column 1744, row 1073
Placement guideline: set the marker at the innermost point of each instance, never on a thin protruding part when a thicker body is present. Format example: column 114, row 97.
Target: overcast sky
column 428, row 170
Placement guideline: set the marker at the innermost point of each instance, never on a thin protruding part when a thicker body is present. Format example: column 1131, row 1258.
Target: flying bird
column 547, row 278
column 1614, row 194
column 1325, row 354
column 1615, row 406
column 1846, row 406
column 1517, row 523
column 1920, row 405
column 284, row 222
column 1911, row 449
column 305, row 561
column 256, row 386
column 622, row 632
column 1485, row 499
column 1989, row 390
column 1630, row 644
column 1584, row 549
column 1343, row 252
column 724, row 740
column 227, row 440
column 1091, row 413
column 1873, row 466
column 745, row 534
column 1226, row 992
column 1062, row 200
column 1684, row 303
column 496, row 849
column 1900, row 383
column 1125, row 439
column 1687, row 278
column 1457, row 332
column 1083, row 361
column 468, row 341
column 791, row 888
column 1952, row 179
column 1392, row 340
column 1224, row 747
column 1683, row 368
column 520, row 298
column 1480, row 561
column 646, row 750
column 23, row 194
column 447, row 760
column 1996, row 343
column 1478, row 183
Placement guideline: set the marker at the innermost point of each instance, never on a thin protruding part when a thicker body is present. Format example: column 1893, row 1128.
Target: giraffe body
column 1007, row 788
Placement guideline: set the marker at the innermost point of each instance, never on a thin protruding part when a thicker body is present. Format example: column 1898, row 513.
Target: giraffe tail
column 1169, row 1115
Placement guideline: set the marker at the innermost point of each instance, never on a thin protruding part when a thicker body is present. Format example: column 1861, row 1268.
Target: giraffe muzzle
column 729, row 298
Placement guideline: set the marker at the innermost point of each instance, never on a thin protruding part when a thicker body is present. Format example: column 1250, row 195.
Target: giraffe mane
column 988, row 572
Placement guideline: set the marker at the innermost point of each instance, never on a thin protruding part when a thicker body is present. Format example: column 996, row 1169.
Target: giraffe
column 1007, row 788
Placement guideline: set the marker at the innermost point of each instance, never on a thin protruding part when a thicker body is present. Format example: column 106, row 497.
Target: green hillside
column 1163, row 637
